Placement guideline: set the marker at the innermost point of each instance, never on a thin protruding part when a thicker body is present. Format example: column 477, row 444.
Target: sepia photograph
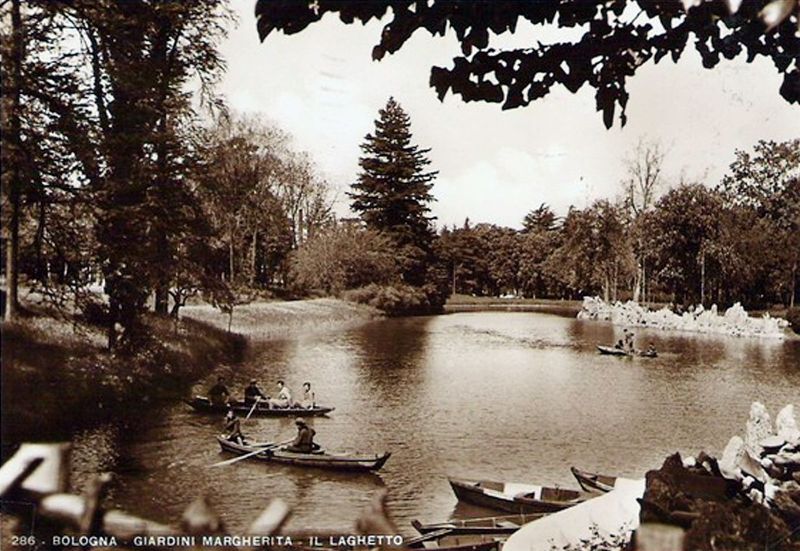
column 348, row 275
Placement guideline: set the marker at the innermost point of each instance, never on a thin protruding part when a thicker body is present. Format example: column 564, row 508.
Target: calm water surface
column 506, row 396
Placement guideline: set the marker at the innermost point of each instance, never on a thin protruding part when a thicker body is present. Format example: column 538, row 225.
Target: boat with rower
column 321, row 459
column 497, row 525
column 516, row 497
column 593, row 482
column 262, row 409
column 614, row 351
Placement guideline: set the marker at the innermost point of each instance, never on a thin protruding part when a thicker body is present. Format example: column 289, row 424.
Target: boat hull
column 593, row 482
column 204, row 405
column 320, row 460
column 490, row 495
column 499, row 525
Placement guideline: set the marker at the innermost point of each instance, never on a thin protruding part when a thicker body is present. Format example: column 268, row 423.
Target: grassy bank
column 468, row 303
column 270, row 320
column 58, row 377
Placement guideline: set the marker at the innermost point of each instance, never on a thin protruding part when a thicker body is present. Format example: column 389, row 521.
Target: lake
column 496, row 395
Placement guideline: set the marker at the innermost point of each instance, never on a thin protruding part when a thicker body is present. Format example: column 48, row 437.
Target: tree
column 687, row 229
column 640, row 186
column 542, row 218
column 393, row 190
column 343, row 258
column 595, row 253
column 617, row 37
column 12, row 153
column 768, row 183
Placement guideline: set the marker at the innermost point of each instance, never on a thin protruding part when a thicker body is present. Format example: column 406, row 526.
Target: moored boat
column 262, row 409
column 497, row 525
column 318, row 459
column 593, row 482
column 515, row 497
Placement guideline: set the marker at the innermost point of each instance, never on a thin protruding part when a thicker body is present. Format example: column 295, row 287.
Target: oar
column 249, row 454
column 252, row 409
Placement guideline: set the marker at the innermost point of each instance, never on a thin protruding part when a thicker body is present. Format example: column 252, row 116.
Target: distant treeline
column 691, row 244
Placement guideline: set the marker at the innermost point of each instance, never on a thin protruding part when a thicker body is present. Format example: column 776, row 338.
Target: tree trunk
column 230, row 256
column 12, row 125
column 253, row 250
column 794, row 284
column 637, row 282
column 162, row 299
column 703, row 279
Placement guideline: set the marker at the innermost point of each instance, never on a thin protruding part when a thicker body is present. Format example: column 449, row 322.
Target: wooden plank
column 15, row 471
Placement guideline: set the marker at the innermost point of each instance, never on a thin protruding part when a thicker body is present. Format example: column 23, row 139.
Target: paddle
column 252, row 409
column 249, row 454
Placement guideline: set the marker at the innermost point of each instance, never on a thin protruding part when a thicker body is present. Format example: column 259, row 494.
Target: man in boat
column 252, row 392
column 234, row 427
column 651, row 350
column 304, row 441
column 284, row 399
column 628, row 340
column 218, row 394
column 307, row 402
column 620, row 345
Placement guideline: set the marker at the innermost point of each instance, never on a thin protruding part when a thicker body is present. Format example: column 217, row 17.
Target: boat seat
column 506, row 524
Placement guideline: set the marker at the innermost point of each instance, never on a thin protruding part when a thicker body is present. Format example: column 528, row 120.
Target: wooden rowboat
column 499, row 525
column 614, row 351
column 515, row 497
column 593, row 482
column 319, row 459
column 203, row 404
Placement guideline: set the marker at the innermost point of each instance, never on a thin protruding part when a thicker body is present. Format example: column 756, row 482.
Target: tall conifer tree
column 394, row 189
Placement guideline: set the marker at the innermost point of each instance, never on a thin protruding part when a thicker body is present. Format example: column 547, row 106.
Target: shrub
column 793, row 317
column 342, row 258
column 396, row 300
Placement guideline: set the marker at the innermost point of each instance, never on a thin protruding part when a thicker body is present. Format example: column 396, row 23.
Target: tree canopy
column 617, row 37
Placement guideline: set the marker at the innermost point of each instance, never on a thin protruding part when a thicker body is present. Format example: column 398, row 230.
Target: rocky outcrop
column 735, row 321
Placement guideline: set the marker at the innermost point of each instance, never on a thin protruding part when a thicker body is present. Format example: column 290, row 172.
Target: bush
column 793, row 317
column 396, row 300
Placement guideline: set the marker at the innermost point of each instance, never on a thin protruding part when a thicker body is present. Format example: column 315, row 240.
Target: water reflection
column 509, row 396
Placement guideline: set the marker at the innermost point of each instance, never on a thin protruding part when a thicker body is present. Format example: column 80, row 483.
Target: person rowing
column 284, row 399
column 219, row 394
column 253, row 393
column 304, row 441
column 234, row 428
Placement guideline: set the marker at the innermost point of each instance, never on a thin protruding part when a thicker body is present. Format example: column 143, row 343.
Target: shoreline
column 267, row 320
column 58, row 379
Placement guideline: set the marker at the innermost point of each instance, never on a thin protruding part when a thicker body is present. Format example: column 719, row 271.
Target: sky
column 322, row 86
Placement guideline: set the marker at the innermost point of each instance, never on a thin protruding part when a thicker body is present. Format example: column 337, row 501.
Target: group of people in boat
column 303, row 441
column 220, row 395
column 626, row 343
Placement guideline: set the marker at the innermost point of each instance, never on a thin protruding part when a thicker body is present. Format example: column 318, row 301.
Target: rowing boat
column 203, row 404
column 499, row 525
column 614, row 351
column 593, row 482
column 318, row 459
column 514, row 497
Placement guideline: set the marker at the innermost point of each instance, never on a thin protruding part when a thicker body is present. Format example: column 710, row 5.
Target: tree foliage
column 605, row 41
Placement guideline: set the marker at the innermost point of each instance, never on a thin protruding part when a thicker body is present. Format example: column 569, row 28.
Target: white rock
column 786, row 425
column 758, row 428
column 729, row 464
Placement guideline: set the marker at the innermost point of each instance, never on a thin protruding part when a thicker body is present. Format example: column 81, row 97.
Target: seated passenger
column 307, row 402
column 304, row 441
column 284, row 399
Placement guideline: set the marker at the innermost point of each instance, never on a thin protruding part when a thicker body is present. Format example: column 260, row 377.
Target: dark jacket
column 304, row 441
column 251, row 392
